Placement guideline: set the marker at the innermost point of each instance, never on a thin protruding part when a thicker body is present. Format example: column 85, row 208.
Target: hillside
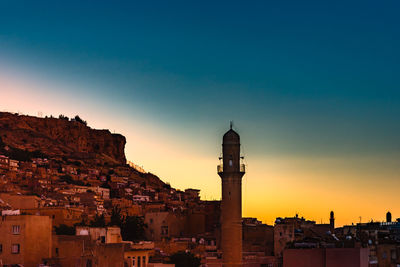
column 25, row 137
column 61, row 138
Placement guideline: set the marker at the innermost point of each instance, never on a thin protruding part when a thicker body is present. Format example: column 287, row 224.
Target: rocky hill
column 62, row 138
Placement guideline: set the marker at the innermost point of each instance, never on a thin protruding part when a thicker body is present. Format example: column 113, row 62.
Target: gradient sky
column 312, row 87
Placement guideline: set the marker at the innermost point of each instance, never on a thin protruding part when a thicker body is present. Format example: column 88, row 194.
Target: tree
column 84, row 220
column 105, row 185
column 65, row 230
column 62, row 117
column 98, row 221
column 185, row 259
column 167, row 186
column 116, row 217
column 132, row 228
column 19, row 154
column 78, row 119
column 2, row 144
column 68, row 179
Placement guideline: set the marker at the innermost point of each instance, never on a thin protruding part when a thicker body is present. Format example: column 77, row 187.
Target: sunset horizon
column 250, row 204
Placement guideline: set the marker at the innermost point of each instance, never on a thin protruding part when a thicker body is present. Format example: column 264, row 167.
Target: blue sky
column 300, row 79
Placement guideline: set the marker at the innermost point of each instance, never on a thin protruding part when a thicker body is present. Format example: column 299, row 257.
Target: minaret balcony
column 220, row 168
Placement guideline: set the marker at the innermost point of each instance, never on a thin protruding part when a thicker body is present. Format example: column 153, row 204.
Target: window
column 15, row 248
column 15, row 229
column 1, row 248
column 144, row 260
column 164, row 230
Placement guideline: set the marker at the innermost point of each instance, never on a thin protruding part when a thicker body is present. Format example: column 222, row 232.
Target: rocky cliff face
column 61, row 138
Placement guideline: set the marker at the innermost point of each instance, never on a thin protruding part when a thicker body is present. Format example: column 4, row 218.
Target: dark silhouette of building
column 388, row 217
column 332, row 222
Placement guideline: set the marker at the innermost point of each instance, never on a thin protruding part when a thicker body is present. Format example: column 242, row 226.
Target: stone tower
column 332, row 222
column 388, row 217
column 231, row 172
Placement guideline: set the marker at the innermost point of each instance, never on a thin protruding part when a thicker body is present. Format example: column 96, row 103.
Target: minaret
column 388, row 217
column 231, row 172
column 332, row 222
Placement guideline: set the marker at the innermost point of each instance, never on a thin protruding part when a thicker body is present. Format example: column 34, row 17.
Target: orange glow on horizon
column 274, row 186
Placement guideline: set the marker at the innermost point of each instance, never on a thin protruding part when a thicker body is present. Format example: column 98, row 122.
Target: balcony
column 220, row 168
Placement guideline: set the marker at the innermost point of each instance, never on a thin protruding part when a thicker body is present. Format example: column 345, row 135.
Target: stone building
column 81, row 251
column 164, row 224
column 25, row 239
column 105, row 235
column 59, row 215
column 294, row 229
column 99, row 247
column 326, row 257
column 138, row 254
column 17, row 201
column 258, row 237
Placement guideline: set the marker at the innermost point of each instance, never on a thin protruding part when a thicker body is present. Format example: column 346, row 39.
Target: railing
column 220, row 168
column 135, row 166
column 242, row 168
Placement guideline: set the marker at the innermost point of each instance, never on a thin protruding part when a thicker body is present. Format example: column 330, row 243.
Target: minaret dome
column 231, row 138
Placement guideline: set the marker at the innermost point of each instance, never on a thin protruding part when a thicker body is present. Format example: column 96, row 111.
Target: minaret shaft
column 231, row 207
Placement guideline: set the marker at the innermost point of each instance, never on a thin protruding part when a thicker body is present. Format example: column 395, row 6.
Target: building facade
column 326, row 257
column 25, row 239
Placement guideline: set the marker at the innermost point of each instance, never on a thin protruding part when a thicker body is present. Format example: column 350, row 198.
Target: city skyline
column 312, row 90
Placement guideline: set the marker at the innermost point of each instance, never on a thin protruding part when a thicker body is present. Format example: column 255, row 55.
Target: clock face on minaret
column 231, row 173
